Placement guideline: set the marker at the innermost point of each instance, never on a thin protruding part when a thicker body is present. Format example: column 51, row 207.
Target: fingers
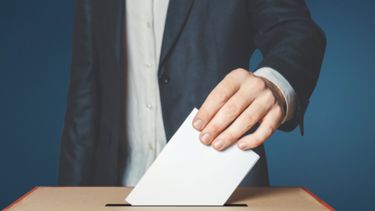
column 248, row 118
column 236, row 104
column 218, row 97
column 270, row 123
column 225, row 116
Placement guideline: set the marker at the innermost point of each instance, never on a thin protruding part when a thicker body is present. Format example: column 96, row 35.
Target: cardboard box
column 112, row 198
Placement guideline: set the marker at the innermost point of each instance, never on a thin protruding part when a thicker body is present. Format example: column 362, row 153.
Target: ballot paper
column 189, row 173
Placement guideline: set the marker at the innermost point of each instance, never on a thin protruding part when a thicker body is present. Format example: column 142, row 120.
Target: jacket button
column 164, row 79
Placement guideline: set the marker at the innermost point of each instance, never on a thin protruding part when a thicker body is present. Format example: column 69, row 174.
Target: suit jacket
column 203, row 41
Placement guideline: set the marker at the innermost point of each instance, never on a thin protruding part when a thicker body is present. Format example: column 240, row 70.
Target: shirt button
column 148, row 24
column 148, row 65
column 149, row 106
column 150, row 147
column 164, row 79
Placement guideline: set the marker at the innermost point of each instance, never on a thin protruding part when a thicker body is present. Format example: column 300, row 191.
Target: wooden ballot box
column 113, row 198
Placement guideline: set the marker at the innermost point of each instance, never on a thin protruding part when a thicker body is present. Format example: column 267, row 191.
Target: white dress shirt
column 145, row 20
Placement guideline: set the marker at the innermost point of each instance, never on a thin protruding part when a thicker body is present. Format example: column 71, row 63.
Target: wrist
column 283, row 86
column 280, row 99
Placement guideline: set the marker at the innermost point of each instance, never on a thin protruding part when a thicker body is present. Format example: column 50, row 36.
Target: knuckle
column 232, row 136
column 221, row 96
column 240, row 72
column 232, row 109
column 231, row 77
column 203, row 113
column 268, row 131
column 237, row 74
column 259, row 83
column 251, row 119
column 228, row 137
column 268, row 94
column 243, row 95
column 214, row 128
column 279, row 111
column 257, row 141
column 247, row 85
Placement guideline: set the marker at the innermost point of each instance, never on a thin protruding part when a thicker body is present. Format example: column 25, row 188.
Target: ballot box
column 113, row 198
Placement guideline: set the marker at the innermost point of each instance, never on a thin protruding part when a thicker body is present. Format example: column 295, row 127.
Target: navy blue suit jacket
column 203, row 41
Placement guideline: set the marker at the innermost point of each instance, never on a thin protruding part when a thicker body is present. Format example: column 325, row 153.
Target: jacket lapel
column 178, row 12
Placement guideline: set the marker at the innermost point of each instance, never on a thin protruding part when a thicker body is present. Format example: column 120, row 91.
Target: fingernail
column 205, row 138
column 197, row 124
column 242, row 146
column 219, row 144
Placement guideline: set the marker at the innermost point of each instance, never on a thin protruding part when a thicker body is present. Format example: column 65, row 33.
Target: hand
column 237, row 104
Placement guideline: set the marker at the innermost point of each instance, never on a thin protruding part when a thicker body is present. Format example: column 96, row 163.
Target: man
column 140, row 66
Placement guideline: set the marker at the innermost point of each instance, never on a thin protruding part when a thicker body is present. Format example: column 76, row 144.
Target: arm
column 79, row 133
column 283, row 87
column 292, row 44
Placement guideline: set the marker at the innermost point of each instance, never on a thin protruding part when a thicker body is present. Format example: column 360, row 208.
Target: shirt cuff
column 284, row 86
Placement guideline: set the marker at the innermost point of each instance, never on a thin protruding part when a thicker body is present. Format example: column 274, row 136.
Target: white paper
column 187, row 172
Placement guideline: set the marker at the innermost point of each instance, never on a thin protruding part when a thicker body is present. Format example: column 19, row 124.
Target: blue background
column 334, row 159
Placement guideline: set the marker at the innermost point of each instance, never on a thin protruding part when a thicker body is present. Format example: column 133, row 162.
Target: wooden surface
column 95, row 199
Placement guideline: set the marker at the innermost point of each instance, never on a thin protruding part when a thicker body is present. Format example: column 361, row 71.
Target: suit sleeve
column 79, row 133
column 292, row 44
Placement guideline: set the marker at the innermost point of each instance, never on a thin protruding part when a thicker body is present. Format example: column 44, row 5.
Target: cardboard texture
column 96, row 199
